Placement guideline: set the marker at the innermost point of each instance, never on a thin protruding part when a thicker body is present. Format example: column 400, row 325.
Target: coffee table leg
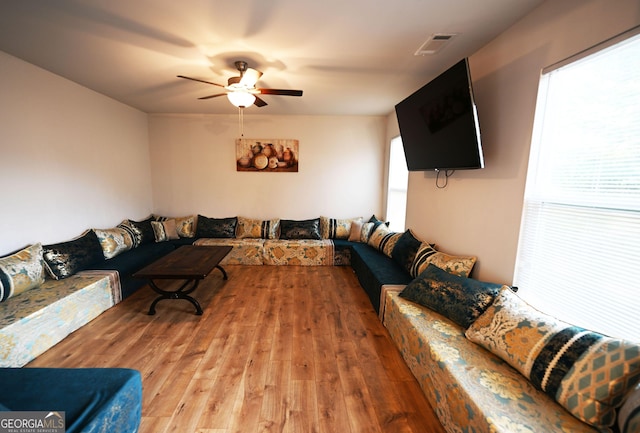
column 224, row 274
column 177, row 294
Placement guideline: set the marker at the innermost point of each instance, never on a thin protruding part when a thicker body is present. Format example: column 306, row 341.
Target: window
column 579, row 248
column 397, row 186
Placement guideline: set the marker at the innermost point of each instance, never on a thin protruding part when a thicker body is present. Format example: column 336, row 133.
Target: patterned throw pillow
column 300, row 229
column 460, row 299
column 257, row 229
column 365, row 234
column 114, row 241
column 216, row 227
column 405, row 249
column 21, row 271
column 142, row 231
column 331, row 228
column 66, row 258
column 165, row 230
column 587, row 373
column 456, row 265
column 185, row 226
column 384, row 239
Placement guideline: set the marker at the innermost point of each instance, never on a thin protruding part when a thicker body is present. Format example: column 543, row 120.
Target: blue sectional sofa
column 468, row 386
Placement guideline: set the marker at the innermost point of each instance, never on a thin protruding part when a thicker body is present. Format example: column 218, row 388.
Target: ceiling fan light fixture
column 241, row 99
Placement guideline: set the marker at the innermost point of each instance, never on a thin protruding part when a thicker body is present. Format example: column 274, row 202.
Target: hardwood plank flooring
column 278, row 349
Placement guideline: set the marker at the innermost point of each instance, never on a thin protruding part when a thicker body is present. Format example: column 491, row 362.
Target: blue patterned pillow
column 300, row 229
column 67, row 258
column 588, row 373
column 21, row 271
column 216, row 227
column 460, row 299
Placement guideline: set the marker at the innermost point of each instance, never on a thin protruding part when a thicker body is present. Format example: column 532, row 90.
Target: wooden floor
column 278, row 349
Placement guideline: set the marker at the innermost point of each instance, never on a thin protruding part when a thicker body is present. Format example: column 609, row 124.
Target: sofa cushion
column 300, row 229
column 142, row 231
column 66, row 258
column 216, row 227
column 586, row 372
column 114, row 241
column 427, row 254
column 360, row 231
column 376, row 222
column 384, row 239
column 460, row 299
column 333, row 228
column 21, row 271
column 165, row 230
column 248, row 228
column 405, row 250
column 185, row 226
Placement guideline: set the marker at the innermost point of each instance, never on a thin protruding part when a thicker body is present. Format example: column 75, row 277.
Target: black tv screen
column 439, row 124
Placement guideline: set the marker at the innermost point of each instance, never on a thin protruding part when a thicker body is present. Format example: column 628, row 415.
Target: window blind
column 579, row 247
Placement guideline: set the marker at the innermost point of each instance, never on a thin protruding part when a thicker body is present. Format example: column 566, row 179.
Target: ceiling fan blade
column 284, row 92
column 200, row 81
column 259, row 102
column 213, row 96
column 250, row 77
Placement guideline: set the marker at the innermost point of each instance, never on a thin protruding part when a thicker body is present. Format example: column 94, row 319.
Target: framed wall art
column 267, row 155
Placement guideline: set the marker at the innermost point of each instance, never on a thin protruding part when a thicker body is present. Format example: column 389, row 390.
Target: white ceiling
column 348, row 56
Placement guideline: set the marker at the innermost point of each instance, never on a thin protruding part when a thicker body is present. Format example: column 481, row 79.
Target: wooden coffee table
column 190, row 263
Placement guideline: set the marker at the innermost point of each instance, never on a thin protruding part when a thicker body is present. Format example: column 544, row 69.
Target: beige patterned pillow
column 384, row 239
column 114, row 241
column 165, row 230
column 248, row 228
column 332, row 228
column 367, row 228
column 456, row 265
column 588, row 373
column 355, row 232
column 21, row 271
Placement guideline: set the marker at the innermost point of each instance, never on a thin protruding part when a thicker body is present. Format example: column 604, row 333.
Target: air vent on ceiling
column 435, row 43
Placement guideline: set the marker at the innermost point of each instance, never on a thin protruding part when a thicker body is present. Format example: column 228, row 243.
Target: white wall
column 340, row 171
column 70, row 158
column 479, row 212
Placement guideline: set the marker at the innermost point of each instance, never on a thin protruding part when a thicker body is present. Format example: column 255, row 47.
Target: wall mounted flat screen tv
column 439, row 124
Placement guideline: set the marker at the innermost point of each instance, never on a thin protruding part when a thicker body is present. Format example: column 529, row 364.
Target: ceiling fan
column 241, row 91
